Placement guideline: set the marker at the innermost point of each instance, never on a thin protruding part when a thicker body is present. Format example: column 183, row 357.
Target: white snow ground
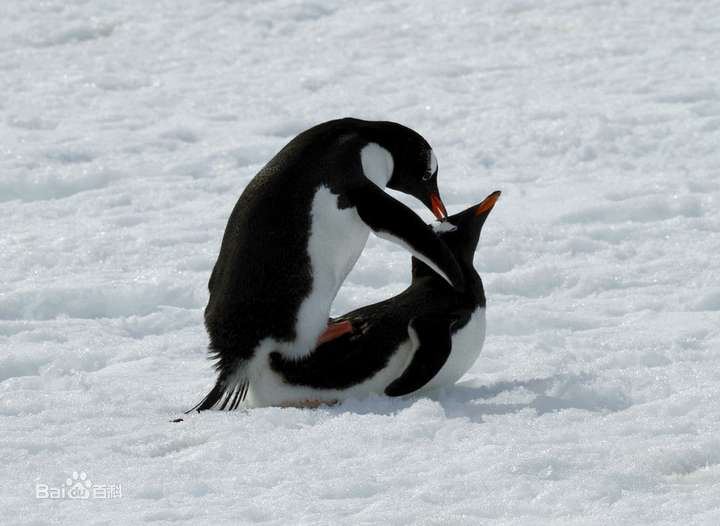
column 128, row 130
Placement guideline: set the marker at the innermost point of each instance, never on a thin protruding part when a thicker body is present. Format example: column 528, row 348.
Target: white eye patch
column 377, row 164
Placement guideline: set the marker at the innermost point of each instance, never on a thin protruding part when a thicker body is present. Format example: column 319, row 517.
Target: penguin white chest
column 337, row 238
column 466, row 346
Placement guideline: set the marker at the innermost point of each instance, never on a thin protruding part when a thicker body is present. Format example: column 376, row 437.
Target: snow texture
column 128, row 130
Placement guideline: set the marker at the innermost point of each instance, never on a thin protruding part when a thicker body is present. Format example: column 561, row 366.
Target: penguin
column 427, row 336
column 296, row 232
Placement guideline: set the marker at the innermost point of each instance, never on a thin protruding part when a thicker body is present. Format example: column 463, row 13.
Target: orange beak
column 438, row 208
column 488, row 203
column 335, row 330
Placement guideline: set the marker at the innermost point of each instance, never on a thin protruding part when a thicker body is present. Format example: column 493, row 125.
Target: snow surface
column 128, row 130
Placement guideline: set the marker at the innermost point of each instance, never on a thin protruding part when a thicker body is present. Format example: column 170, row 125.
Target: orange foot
column 334, row 330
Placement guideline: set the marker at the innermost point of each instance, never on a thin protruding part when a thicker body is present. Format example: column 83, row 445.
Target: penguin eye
column 429, row 175
column 432, row 167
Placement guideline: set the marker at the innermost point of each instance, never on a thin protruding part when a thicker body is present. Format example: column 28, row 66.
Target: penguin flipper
column 435, row 344
column 392, row 220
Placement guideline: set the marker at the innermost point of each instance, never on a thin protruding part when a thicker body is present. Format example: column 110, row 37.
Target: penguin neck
column 474, row 291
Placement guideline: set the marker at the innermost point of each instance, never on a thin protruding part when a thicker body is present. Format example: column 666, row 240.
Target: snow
column 128, row 130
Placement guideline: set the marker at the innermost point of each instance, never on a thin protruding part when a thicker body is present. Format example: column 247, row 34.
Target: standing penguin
column 296, row 232
column 427, row 336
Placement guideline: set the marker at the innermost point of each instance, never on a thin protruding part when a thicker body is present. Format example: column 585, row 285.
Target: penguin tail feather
column 222, row 397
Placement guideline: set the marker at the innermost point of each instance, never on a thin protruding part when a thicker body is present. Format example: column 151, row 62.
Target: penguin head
column 415, row 167
column 462, row 240
column 461, row 233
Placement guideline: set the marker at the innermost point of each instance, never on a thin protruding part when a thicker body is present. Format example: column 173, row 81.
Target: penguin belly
column 270, row 389
column 337, row 238
column 467, row 343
